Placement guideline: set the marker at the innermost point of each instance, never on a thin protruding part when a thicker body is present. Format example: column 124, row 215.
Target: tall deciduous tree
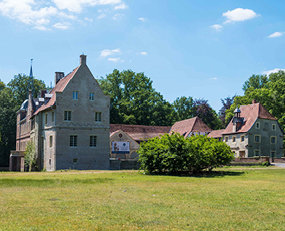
column 183, row 108
column 202, row 109
column 227, row 102
column 271, row 94
column 134, row 100
column 20, row 85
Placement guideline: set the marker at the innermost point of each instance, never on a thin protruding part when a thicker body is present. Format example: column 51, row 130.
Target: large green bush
column 173, row 154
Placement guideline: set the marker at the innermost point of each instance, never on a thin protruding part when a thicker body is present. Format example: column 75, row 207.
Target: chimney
column 254, row 101
column 82, row 59
column 58, row 76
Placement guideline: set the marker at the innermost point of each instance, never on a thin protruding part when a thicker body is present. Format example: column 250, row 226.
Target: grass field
column 233, row 199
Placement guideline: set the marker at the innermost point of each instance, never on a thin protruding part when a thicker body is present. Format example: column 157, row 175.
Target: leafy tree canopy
column 20, row 85
column 134, row 100
column 271, row 94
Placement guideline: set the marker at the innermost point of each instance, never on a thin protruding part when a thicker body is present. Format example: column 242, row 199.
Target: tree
column 202, row 109
column 20, row 85
column 134, row 100
column 2, row 85
column 270, row 93
column 227, row 102
column 183, row 108
column 8, row 108
column 173, row 154
column 30, row 155
column 256, row 82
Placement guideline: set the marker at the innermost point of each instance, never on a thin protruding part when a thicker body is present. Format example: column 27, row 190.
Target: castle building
column 69, row 126
column 253, row 131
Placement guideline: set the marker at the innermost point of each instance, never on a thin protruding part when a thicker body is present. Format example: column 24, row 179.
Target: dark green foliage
column 134, row 100
column 173, row 154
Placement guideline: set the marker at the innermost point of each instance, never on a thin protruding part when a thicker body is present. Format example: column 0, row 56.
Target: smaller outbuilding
column 125, row 139
column 189, row 127
column 217, row 134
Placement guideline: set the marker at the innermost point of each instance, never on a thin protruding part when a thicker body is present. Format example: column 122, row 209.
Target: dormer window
column 91, row 96
column 257, row 125
column 75, row 95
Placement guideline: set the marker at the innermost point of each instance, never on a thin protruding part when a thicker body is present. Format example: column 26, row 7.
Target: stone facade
column 256, row 133
column 70, row 128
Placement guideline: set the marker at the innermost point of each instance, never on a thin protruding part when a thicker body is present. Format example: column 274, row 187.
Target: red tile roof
column 216, row 133
column 140, row 132
column 59, row 87
column 184, row 127
column 250, row 113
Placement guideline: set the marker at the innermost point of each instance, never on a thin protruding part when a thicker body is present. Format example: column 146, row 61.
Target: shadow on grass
column 206, row 174
column 50, row 182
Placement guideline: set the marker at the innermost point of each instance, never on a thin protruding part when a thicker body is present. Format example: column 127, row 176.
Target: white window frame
column 275, row 139
column 50, row 141
column 67, row 116
column 257, row 127
column 259, row 139
column 234, row 139
column 242, row 137
column 98, row 116
column 92, row 144
column 73, row 141
column 273, row 127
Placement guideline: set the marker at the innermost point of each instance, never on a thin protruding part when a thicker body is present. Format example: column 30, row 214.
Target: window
column 52, row 117
column 234, row 139
column 226, row 139
column 98, row 116
column 73, row 141
column 93, row 141
column 273, row 139
column 67, row 115
column 257, row 138
column 257, row 125
column 242, row 138
column 273, row 127
column 50, row 141
column 46, row 117
column 272, row 154
column 256, row 152
column 75, row 95
column 91, row 96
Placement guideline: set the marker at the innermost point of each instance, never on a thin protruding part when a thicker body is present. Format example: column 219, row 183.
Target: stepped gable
column 250, row 113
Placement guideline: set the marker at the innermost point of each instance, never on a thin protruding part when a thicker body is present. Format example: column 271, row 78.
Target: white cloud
column 77, row 5
column 122, row 6
column 142, row 19
column 214, row 78
column 217, row 27
column 275, row 35
column 101, row 16
column 143, row 53
column 107, row 52
column 88, row 19
column 268, row 72
column 239, row 14
column 26, row 11
column 61, row 26
column 44, row 15
column 114, row 59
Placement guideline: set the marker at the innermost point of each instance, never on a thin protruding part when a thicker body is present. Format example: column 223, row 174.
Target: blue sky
column 204, row 49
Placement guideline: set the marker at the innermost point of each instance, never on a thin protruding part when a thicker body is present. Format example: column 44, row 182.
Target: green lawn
column 238, row 199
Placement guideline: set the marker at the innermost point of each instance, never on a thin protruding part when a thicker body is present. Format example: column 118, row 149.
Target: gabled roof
column 216, row 133
column 59, row 87
column 250, row 113
column 184, row 127
column 140, row 132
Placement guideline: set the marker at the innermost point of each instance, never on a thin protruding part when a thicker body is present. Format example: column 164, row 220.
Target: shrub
column 173, row 154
